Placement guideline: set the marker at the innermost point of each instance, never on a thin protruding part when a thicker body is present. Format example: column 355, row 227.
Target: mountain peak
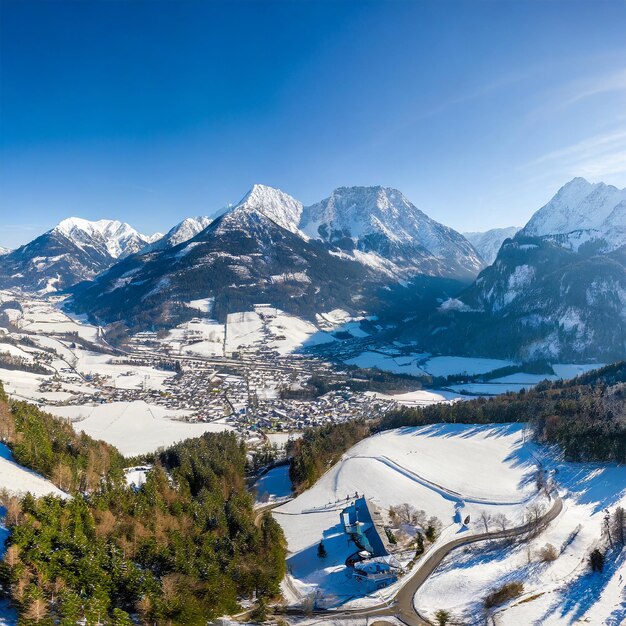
column 361, row 211
column 274, row 204
column 183, row 231
column 72, row 224
column 117, row 238
column 577, row 206
column 382, row 223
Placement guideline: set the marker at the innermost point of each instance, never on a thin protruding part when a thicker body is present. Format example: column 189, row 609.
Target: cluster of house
column 373, row 565
column 294, row 415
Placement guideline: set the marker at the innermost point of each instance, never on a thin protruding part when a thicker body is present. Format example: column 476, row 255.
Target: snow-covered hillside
column 557, row 592
column 18, row 480
column 449, row 471
column 489, row 242
column 134, row 427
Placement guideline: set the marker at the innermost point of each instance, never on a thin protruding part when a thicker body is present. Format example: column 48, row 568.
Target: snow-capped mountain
column 117, row 239
column 274, row 204
column 258, row 251
column 582, row 212
column 488, row 243
column 380, row 227
column 182, row 232
column 74, row 250
column 4, row 251
column 252, row 253
column 556, row 290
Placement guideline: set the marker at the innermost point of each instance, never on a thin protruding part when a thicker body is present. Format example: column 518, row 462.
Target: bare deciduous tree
column 486, row 519
column 501, row 521
column 548, row 553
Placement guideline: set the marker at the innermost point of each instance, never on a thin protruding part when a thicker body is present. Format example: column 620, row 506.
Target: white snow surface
column 558, row 593
column 134, row 427
column 449, row 471
column 582, row 211
column 488, row 243
column 273, row 485
column 19, row 480
column 452, row 365
column 405, row 364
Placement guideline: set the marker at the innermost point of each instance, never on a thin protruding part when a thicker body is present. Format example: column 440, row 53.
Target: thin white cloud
column 577, row 91
column 597, row 157
column 588, row 148
column 609, row 83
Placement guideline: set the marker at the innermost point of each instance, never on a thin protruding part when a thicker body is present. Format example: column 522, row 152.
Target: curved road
column 401, row 604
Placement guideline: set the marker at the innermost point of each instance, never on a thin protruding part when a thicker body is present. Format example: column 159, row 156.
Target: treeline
column 50, row 446
column 179, row 550
column 585, row 416
column 321, row 447
column 9, row 361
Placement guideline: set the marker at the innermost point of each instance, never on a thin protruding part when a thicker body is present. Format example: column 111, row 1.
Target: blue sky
column 153, row 111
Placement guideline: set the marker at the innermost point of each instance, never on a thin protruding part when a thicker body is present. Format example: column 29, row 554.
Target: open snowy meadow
column 452, row 471
column 449, row 471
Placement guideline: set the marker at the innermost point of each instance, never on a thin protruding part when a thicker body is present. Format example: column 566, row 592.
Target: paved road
column 261, row 510
column 401, row 605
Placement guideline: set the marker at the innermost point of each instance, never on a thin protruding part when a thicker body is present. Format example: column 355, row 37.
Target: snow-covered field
column 449, row 471
column 445, row 468
column 451, row 365
column 388, row 363
column 421, row 397
column 420, row 364
column 561, row 592
column 19, row 480
column 267, row 326
column 134, row 427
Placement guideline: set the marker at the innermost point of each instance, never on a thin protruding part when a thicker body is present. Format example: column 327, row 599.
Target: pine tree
column 596, row 560
column 321, row 550
column 442, row 616
column 618, row 525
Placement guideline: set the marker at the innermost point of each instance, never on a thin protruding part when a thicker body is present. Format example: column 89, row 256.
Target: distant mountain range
column 254, row 252
column 376, row 227
column 74, row 250
column 556, row 290
column 488, row 243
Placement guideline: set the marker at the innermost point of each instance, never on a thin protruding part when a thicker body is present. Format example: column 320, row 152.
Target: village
column 251, row 388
